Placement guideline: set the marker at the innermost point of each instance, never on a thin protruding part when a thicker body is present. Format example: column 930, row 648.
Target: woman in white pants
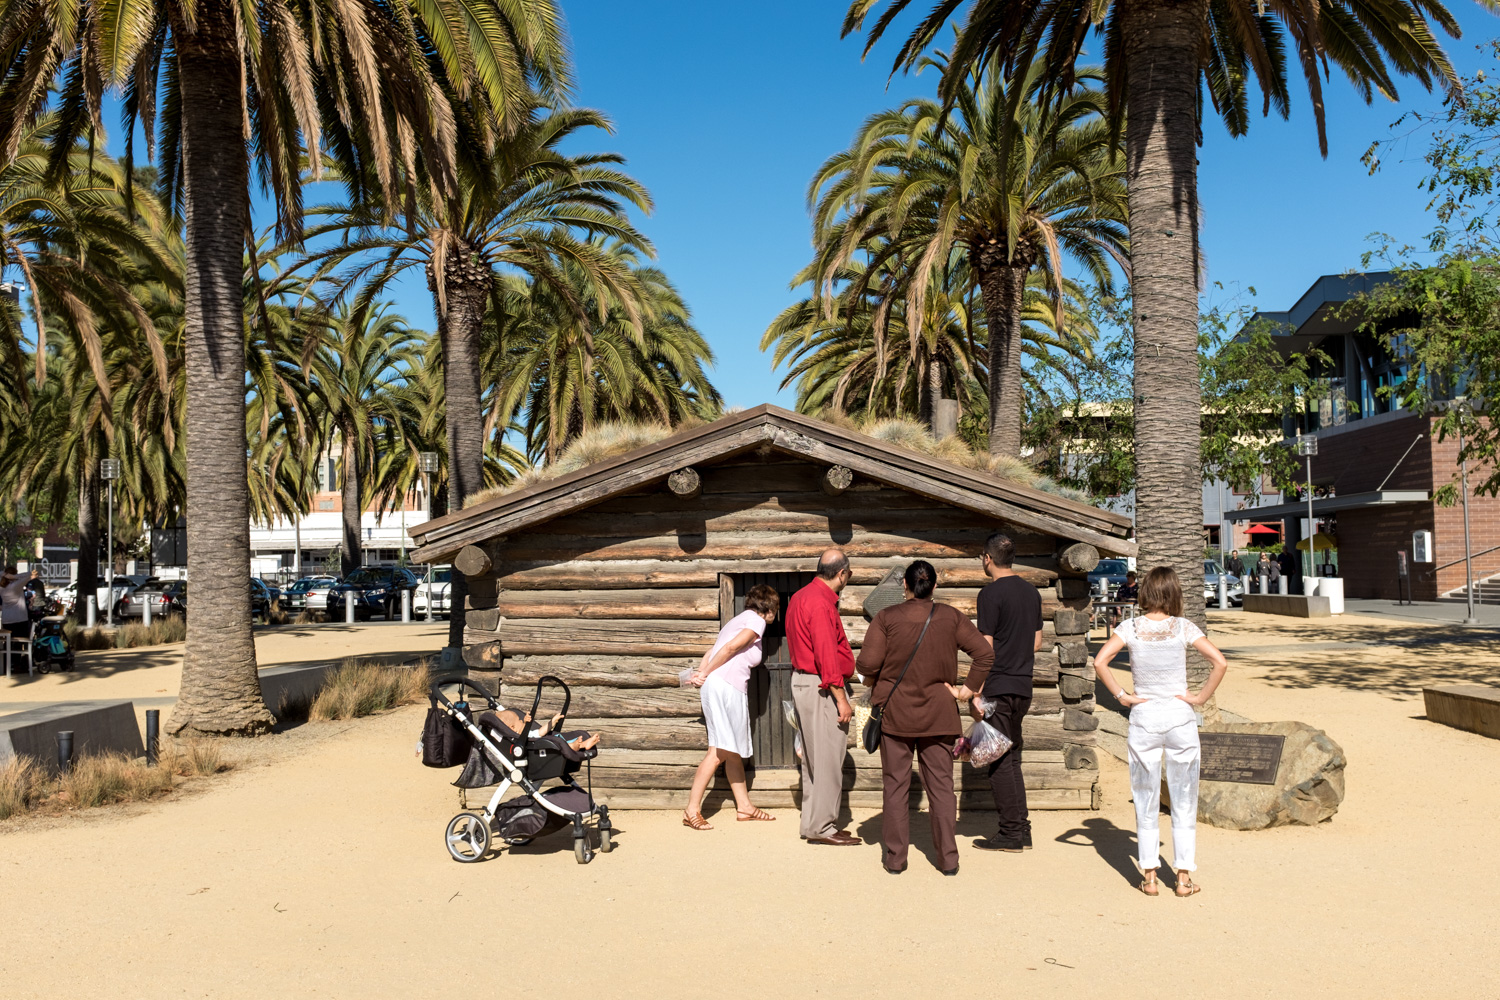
column 1162, row 721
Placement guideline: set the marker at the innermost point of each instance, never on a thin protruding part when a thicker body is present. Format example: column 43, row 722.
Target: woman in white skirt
column 724, row 676
column 1162, row 721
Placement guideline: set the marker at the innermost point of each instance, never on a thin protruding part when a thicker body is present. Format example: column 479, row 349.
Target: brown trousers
column 935, row 759
column 825, row 743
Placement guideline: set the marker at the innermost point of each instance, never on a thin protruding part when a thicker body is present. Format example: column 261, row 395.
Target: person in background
column 1236, row 565
column 1162, row 721
column 910, row 660
column 822, row 664
column 1291, row 568
column 724, row 676
column 1010, row 618
column 1129, row 590
column 1266, row 567
column 15, row 616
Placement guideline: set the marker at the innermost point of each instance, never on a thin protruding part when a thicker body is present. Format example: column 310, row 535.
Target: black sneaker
column 998, row 843
column 1026, row 842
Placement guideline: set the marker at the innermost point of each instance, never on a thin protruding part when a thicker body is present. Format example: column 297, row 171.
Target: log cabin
column 618, row 576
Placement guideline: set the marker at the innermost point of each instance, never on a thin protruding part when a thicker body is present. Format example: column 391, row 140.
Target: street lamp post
column 1464, row 409
column 109, row 471
column 1307, row 447
column 429, row 466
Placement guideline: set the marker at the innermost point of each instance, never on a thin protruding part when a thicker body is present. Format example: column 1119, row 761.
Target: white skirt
column 727, row 713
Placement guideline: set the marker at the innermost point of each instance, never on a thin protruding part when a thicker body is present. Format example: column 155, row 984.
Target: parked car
column 262, row 596
column 375, row 590
column 166, row 597
column 1211, row 573
column 1112, row 572
column 296, row 595
column 67, row 596
column 442, row 582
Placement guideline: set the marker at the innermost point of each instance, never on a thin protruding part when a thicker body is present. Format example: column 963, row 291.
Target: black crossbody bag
column 871, row 734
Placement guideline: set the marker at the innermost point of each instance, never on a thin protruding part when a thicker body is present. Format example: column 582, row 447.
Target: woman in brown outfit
column 921, row 715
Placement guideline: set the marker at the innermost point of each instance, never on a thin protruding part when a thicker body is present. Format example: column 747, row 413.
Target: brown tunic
column 922, row 704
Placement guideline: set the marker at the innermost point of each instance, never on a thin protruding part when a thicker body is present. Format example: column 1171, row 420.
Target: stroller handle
column 542, row 683
column 463, row 681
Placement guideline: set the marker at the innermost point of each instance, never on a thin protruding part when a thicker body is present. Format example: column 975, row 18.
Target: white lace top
column 1158, row 665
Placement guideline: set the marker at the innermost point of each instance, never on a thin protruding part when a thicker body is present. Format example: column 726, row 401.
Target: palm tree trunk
column 467, row 290
column 351, row 556
column 220, row 690
column 933, row 391
column 1161, row 40
column 88, row 541
column 1002, row 285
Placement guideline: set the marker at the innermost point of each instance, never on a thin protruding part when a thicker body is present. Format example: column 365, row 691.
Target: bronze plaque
column 1250, row 758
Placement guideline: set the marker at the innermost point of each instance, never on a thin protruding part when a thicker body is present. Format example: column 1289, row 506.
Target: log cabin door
column 771, row 735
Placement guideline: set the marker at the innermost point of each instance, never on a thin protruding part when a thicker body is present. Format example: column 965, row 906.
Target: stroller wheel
column 606, row 844
column 582, row 852
column 468, row 837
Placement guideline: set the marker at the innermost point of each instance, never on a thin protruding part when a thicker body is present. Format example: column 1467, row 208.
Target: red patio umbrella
column 1262, row 529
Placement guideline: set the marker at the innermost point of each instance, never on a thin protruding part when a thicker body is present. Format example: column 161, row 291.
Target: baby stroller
column 49, row 645
column 498, row 753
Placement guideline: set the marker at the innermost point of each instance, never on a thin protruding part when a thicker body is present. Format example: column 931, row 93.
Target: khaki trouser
column 824, row 743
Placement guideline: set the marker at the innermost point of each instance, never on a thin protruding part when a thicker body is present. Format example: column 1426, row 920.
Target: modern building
column 1377, row 465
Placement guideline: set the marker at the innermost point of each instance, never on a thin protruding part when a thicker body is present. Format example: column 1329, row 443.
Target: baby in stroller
column 579, row 741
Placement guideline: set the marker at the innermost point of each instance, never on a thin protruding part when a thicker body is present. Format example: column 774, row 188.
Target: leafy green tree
column 391, row 91
column 1165, row 65
column 1012, row 176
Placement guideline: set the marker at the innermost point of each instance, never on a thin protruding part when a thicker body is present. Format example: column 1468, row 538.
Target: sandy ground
column 324, row 874
column 150, row 676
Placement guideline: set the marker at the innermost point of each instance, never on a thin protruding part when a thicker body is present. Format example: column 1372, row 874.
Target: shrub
column 306, row 617
column 82, row 639
column 358, row 688
column 172, row 628
column 99, row 779
column 195, row 758
column 22, row 785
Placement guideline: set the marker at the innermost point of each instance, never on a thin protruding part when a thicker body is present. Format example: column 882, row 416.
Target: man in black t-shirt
column 1010, row 617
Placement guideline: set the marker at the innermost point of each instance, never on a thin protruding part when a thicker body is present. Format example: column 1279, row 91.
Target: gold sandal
column 1149, row 887
column 1186, row 888
column 754, row 814
column 696, row 821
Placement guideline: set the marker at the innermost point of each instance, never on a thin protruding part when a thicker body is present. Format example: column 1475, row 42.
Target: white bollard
column 1265, row 584
column 1281, row 587
column 406, row 607
column 1223, row 593
column 146, row 610
column 91, row 612
column 349, row 607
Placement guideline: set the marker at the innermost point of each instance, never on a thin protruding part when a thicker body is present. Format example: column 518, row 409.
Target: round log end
column 685, row 482
column 837, row 479
column 1078, row 559
column 472, row 561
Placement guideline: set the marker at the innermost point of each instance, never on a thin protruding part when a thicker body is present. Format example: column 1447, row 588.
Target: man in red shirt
column 822, row 663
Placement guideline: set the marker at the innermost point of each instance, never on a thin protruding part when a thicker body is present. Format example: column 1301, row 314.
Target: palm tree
column 1160, row 61
column 1012, row 176
column 530, row 209
column 401, row 89
column 365, row 358
column 559, row 369
column 867, row 358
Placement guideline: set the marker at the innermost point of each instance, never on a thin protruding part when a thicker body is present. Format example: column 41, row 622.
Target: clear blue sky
column 724, row 111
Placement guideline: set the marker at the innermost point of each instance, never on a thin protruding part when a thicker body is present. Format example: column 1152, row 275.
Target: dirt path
column 325, row 875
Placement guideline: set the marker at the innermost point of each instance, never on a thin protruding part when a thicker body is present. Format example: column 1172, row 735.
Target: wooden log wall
column 618, row 599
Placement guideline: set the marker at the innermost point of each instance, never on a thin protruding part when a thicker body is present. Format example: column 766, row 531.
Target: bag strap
column 913, row 656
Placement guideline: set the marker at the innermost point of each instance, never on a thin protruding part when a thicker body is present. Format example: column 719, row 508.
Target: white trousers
column 1180, row 746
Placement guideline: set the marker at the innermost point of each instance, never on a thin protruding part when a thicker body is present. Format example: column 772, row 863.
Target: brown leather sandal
column 753, row 815
column 696, row 821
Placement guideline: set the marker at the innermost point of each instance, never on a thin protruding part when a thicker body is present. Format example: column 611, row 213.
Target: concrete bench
column 1292, row 605
column 98, row 727
column 1471, row 707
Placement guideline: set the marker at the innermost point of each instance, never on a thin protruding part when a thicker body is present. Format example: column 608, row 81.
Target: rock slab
column 1308, row 789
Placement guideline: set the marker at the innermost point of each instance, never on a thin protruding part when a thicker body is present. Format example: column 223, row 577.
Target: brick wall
column 1359, row 460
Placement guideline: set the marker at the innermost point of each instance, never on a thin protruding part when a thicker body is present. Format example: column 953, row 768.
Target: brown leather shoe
column 839, row 839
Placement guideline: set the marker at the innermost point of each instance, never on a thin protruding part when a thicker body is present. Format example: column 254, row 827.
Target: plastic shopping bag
column 986, row 744
column 685, row 676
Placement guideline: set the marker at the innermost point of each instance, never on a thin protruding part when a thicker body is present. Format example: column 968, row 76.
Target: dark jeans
column 1005, row 773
